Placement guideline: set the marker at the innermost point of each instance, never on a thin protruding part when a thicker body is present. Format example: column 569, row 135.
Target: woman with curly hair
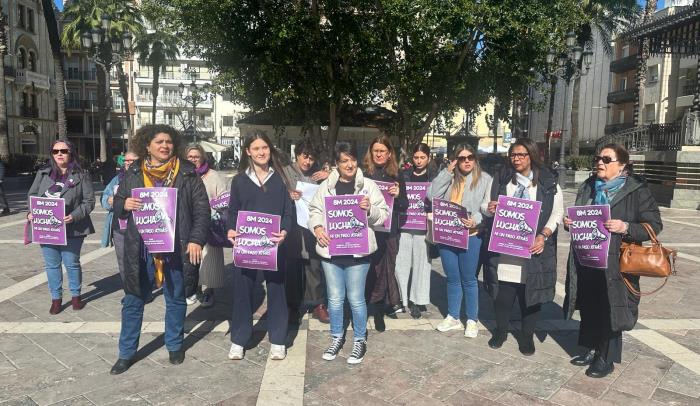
column 160, row 166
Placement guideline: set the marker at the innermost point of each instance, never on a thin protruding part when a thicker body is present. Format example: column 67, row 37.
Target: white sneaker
column 191, row 300
column 472, row 329
column 449, row 323
column 236, row 352
column 277, row 352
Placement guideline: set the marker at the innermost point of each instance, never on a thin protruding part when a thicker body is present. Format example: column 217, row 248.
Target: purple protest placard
column 384, row 187
column 254, row 248
column 589, row 237
column 447, row 228
column 156, row 219
column 220, row 202
column 47, row 220
column 514, row 226
column 346, row 225
column 415, row 217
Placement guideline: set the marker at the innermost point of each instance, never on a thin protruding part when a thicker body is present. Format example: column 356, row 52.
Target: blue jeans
column 175, row 310
column 460, row 267
column 342, row 282
column 70, row 256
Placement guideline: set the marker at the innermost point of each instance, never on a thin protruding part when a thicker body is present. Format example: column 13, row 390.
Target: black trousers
column 595, row 331
column 4, row 197
column 507, row 292
column 305, row 282
column 243, row 298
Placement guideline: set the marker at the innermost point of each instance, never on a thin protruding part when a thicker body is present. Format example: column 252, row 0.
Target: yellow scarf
column 458, row 190
column 164, row 174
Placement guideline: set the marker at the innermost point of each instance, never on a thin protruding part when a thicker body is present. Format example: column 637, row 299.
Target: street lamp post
column 195, row 95
column 92, row 42
column 572, row 64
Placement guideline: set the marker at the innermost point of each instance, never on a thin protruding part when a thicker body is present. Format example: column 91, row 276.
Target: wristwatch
column 546, row 237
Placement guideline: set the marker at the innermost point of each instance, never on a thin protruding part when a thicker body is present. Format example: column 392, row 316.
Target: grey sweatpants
column 413, row 255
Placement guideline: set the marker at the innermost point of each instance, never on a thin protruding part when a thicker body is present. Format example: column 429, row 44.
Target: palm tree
column 4, row 137
column 55, row 41
column 155, row 48
column 86, row 17
column 605, row 19
column 641, row 77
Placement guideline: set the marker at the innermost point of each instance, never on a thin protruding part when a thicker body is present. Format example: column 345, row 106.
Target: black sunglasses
column 520, row 155
column 464, row 158
column 606, row 159
column 63, row 151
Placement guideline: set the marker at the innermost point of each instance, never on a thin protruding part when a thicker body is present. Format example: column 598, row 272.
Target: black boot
column 527, row 344
column 176, row 357
column 600, row 368
column 121, row 366
column 415, row 311
column 379, row 318
column 497, row 339
column 584, row 359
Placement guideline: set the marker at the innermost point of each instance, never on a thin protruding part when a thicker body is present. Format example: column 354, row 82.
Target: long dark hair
column 391, row 168
column 275, row 159
column 536, row 162
column 73, row 161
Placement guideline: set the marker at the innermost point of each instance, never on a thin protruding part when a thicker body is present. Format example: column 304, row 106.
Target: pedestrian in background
column 64, row 178
column 383, row 291
column 261, row 187
column 160, row 166
column 413, row 260
column 606, row 306
column 346, row 274
column 211, row 270
column 6, row 210
column 531, row 281
column 113, row 232
column 464, row 183
column 304, row 280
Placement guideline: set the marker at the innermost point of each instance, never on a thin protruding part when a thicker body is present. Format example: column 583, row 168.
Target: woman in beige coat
column 211, row 270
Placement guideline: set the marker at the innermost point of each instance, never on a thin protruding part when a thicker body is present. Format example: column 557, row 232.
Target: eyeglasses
column 469, row 158
column 129, row 160
column 606, row 159
column 61, row 151
column 520, row 155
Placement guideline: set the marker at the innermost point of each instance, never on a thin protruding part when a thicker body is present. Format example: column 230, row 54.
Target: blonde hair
column 457, row 178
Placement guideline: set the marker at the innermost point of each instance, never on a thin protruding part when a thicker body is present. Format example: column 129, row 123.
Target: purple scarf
column 202, row 169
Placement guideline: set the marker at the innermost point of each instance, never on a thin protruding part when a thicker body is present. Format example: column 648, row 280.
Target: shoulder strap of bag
column 640, row 293
column 652, row 234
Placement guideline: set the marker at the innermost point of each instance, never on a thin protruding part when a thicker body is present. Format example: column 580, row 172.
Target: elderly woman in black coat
column 160, row 167
column 606, row 306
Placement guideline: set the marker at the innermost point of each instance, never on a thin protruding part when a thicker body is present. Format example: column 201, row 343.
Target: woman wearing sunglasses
column 531, row 281
column 464, row 183
column 605, row 305
column 65, row 179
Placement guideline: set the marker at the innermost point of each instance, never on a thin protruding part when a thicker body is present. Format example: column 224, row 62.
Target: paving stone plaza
column 65, row 359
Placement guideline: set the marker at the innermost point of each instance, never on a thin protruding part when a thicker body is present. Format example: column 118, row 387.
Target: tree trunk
column 333, row 126
column 574, row 150
column 102, row 82
column 550, row 117
column 641, row 76
column 60, row 97
column 154, row 91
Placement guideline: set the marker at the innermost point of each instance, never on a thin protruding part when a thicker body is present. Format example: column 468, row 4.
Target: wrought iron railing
column 653, row 137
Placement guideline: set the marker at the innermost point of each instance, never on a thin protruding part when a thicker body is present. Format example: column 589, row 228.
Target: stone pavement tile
column 104, row 346
column 24, row 354
column 690, row 340
column 222, row 382
column 360, row 398
column 631, row 348
column 172, row 396
column 6, row 365
column 595, row 388
column 513, row 397
column 475, row 347
column 568, row 397
column 414, row 398
column 545, row 380
column 681, row 380
column 247, row 398
column 21, row 401
column 642, row 376
column 448, row 380
column 64, row 348
column 133, row 400
column 622, row 398
column 76, row 401
column 499, row 378
column 311, row 399
column 674, row 398
column 318, row 375
column 125, row 385
column 10, row 311
column 464, row 398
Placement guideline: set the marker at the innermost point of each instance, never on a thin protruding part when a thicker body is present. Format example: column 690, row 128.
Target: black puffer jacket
column 193, row 217
column 633, row 204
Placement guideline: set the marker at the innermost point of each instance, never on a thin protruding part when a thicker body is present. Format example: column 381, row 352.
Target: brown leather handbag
column 653, row 261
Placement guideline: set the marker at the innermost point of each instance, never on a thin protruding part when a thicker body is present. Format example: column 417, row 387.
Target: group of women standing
column 396, row 259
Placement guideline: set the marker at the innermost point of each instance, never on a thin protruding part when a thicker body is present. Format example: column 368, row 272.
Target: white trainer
column 449, row 323
column 472, row 329
column 277, row 352
column 236, row 352
column 191, row 300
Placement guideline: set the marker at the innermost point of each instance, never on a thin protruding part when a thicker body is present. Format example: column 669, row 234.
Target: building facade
column 30, row 85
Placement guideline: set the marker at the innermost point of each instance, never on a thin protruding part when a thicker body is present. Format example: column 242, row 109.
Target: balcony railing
column 653, row 137
column 29, row 112
column 73, row 74
column 625, row 64
column 81, row 104
column 622, row 96
column 613, row 128
column 689, row 88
